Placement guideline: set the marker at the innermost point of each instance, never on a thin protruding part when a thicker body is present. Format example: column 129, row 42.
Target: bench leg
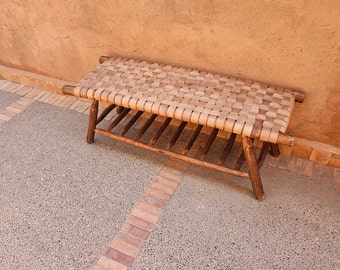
column 253, row 168
column 92, row 121
column 274, row 150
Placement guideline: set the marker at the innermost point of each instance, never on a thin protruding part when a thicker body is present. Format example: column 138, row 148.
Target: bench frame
column 248, row 155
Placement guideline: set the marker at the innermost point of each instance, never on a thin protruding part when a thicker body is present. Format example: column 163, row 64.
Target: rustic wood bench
column 236, row 106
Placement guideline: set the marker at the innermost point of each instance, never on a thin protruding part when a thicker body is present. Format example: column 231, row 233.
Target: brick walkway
column 139, row 224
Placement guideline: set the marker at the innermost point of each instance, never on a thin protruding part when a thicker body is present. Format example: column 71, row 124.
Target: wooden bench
column 236, row 106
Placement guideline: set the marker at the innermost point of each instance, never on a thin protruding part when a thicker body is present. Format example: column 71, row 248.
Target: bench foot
column 92, row 121
column 253, row 168
column 274, row 150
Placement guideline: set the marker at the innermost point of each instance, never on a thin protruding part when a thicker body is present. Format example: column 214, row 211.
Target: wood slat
column 118, row 119
column 209, row 143
column 131, row 122
column 106, row 111
column 160, row 130
column 227, row 149
column 171, row 154
column 178, row 133
column 145, row 127
column 263, row 154
column 120, row 109
column 192, row 139
column 240, row 161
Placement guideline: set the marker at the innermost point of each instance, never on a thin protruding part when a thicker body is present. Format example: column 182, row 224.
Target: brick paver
column 28, row 95
column 14, row 109
column 143, row 218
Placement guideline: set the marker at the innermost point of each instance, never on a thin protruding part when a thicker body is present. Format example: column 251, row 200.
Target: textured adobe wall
column 289, row 43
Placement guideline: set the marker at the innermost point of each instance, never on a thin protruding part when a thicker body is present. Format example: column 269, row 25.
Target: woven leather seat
column 239, row 106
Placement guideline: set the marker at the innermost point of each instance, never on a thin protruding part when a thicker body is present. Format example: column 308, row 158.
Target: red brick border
column 29, row 95
column 129, row 241
column 14, row 109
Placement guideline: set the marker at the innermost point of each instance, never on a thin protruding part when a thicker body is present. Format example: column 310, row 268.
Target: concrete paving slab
column 7, row 99
column 62, row 200
column 216, row 224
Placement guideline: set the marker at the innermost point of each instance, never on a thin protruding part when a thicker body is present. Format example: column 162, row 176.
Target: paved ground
column 62, row 209
column 6, row 99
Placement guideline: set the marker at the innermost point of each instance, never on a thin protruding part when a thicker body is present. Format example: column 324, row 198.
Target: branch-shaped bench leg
column 92, row 121
column 253, row 168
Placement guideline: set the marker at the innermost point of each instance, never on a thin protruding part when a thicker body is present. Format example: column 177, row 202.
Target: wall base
column 32, row 79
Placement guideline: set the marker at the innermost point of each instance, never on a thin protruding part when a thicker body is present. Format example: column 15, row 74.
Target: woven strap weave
column 240, row 106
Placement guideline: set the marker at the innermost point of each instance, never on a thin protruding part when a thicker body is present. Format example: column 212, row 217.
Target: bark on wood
column 68, row 90
column 106, row 111
column 285, row 139
column 120, row 109
column 274, row 150
column 192, row 139
column 119, row 118
column 103, row 58
column 92, row 121
column 178, row 133
column 253, row 169
column 131, row 122
column 145, row 127
column 226, row 151
column 171, row 154
column 209, row 143
column 160, row 130
column 240, row 161
column 263, row 154
column 299, row 96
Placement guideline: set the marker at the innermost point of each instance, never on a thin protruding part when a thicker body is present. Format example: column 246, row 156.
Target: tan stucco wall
column 289, row 43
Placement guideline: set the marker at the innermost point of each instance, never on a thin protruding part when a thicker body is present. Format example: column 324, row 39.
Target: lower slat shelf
column 171, row 154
